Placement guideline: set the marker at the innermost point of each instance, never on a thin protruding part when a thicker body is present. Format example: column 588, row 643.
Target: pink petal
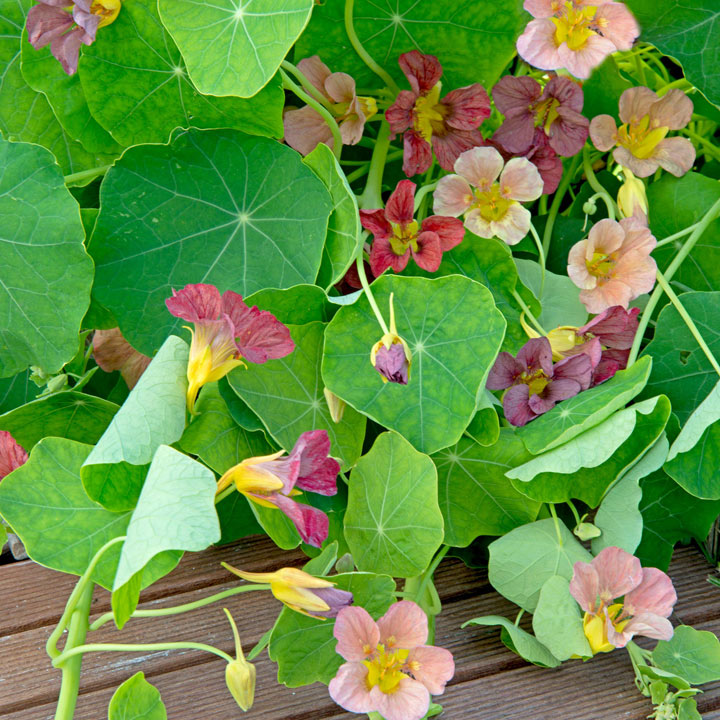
column 617, row 24
column 504, row 372
column 422, row 71
column 549, row 165
column 12, row 455
column 357, row 634
column 452, row 196
column 568, row 92
column 514, row 225
column 305, row 130
column 635, row 103
column 675, row 154
column 432, row 666
column 537, row 45
column 606, row 236
column 374, row 221
column 410, row 701
column 392, row 363
column 400, row 205
column 618, row 573
column 317, row 472
column 340, row 87
column 399, row 114
column 655, row 594
column 520, row 180
column 604, row 370
column 311, row 523
column 450, row 230
column 585, row 585
column 467, row 107
column 569, row 132
column 554, row 392
column 480, row 166
column 541, row 8
column 637, row 237
column 87, row 20
column 284, row 468
column 382, row 257
column 316, row 71
column 515, row 405
column 638, row 272
column 352, row 127
column 349, row 689
column 616, row 327
column 478, row 225
column 582, row 62
column 514, row 95
column 640, row 168
column 673, row 110
column 449, row 146
column 649, row 625
column 195, row 302
column 577, row 367
column 614, row 292
column 113, row 352
column 404, row 626
column 429, row 252
column 45, row 23
column 417, row 153
column 516, row 133
column 577, row 268
column 66, row 49
column 536, row 354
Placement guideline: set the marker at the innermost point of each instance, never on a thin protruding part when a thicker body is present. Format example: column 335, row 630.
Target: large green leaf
column 17, row 390
column 234, row 48
column 602, row 91
column 454, row 332
column 136, row 699
column 686, row 30
column 288, row 396
column 343, row 238
column 214, row 206
column 297, row 305
column 304, row 647
column 153, row 415
column 572, row 417
column 393, row 523
column 475, row 496
column 680, row 369
column 70, row 415
column 137, row 86
column 175, row 511
column 692, row 654
column 473, row 41
column 46, row 505
column 45, row 273
column 522, row 561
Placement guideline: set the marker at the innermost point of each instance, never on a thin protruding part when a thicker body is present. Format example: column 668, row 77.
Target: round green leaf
column 692, row 654
column 297, row 305
column 454, row 332
column 136, row 699
column 45, row 273
column 137, row 86
column 213, row 206
column 233, row 47
column 16, row 391
column 393, row 523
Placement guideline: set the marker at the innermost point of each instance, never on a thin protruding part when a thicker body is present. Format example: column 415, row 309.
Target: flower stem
column 422, row 192
column 362, row 52
column 177, row 609
column 557, row 199
column 223, row 494
column 140, row 647
column 574, row 511
column 557, row 523
column 288, row 84
column 360, row 263
column 675, row 236
column 371, row 197
column 528, row 312
column 307, row 85
column 708, row 146
column 596, row 186
column 541, row 253
column 428, row 574
column 88, row 175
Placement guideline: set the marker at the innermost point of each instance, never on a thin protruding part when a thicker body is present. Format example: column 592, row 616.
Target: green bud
column 240, row 674
column 587, row 531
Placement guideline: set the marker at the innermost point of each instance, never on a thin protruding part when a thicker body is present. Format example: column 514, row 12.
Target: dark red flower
column 450, row 124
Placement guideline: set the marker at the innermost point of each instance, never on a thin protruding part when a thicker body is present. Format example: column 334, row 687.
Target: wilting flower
column 51, row 22
column 391, row 356
column 226, row 332
column 12, row 455
column 613, row 266
column 113, row 352
column 532, row 384
column 575, row 35
column 271, row 481
column 240, row 674
column 301, row 591
column 555, row 110
column 648, row 600
column 389, row 669
column 632, row 199
column 397, row 235
column 642, row 145
column 449, row 124
column 491, row 205
column 305, row 128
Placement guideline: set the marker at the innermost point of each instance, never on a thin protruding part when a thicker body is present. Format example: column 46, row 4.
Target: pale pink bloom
column 575, row 35
column 390, row 670
column 640, row 142
column 305, row 128
column 613, row 266
column 12, row 455
column 488, row 195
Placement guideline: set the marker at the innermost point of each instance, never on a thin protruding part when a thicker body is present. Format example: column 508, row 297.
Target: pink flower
column 271, row 481
column 113, row 352
column 450, row 125
column 534, row 385
column 491, row 205
column 575, row 35
column 390, row 670
column 12, row 456
column 305, row 128
column 641, row 143
column 649, row 597
column 613, row 266
column 397, row 235
column 226, row 331
column 390, row 355
column 555, row 110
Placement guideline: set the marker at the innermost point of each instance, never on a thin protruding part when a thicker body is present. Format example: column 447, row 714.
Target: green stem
column 710, row 149
column 222, row 495
column 557, row 199
column 307, row 85
column 360, row 263
column 371, row 197
column 637, row 659
column 428, row 574
column 362, row 52
column 541, row 253
column 148, row 647
column 178, row 609
column 675, row 236
column 596, row 186
column 609, row 204
column 77, row 631
column 519, row 615
column 86, row 174
column 528, row 312
column 288, row 84
column 422, row 192
column 574, row 512
column 557, row 523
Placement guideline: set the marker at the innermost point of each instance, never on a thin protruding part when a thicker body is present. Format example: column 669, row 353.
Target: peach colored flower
column 642, row 145
column 305, row 128
column 575, row 35
column 490, row 205
column 613, row 266
column 390, row 670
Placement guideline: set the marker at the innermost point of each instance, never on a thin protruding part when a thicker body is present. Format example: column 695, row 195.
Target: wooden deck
column 490, row 683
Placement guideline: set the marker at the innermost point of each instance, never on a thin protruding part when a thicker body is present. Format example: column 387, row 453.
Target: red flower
column 397, row 235
column 450, row 124
column 12, row 455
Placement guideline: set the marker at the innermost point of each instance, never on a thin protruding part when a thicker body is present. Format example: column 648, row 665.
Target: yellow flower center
column 385, row 669
column 546, row 113
column 107, row 9
column 404, row 236
column 639, row 138
column 573, row 26
column 429, row 114
column 601, row 265
column 536, row 381
column 368, row 105
column 596, row 631
column 492, row 205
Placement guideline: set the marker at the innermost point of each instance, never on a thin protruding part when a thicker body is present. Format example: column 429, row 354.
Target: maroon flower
column 12, row 455
column 555, row 110
column 392, row 363
column 397, row 235
column 450, row 124
column 533, row 384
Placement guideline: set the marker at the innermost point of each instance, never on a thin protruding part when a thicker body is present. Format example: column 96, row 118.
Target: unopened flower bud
column 391, row 356
column 587, row 531
column 589, row 207
column 240, row 674
column 632, row 199
column 345, row 564
column 336, row 406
